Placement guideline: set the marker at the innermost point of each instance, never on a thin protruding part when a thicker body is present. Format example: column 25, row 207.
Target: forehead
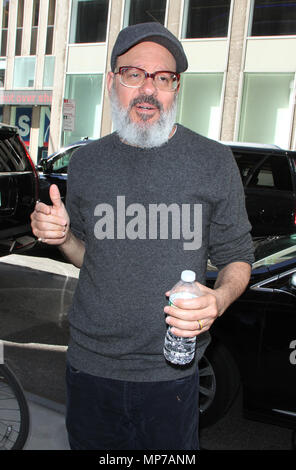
column 148, row 54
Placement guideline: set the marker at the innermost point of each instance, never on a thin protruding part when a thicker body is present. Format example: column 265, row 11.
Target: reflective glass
column 273, row 18
column 143, row 11
column 205, row 18
column 89, row 20
column 86, row 91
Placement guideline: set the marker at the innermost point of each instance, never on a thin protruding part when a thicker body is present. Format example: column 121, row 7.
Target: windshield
column 275, row 250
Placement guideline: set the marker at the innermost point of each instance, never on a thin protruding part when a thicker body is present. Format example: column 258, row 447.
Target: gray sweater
column 145, row 215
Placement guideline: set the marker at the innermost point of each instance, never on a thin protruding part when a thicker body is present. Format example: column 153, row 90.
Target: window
column 5, row 14
column 24, row 72
column 89, row 21
column 143, row 11
column 34, row 30
column 264, row 170
column 266, row 108
column 50, row 26
column 61, row 164
column 200, row 103
column 205, row 18
column 2, row 73
column 19, row 28
column 273, row 18
column 48, row 73
column 86, row 91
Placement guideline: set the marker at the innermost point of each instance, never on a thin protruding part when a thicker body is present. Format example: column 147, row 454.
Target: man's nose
column 148, row 86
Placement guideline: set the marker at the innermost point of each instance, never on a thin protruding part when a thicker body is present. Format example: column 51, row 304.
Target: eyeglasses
column 134, row 77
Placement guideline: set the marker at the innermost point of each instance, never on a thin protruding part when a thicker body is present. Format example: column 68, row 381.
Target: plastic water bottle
column 177, row 349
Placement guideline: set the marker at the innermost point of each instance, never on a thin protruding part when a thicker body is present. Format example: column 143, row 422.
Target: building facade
column 240, row 84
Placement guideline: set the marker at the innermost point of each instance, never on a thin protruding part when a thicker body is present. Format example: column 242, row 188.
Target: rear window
column 264, row 171
column 12, row 154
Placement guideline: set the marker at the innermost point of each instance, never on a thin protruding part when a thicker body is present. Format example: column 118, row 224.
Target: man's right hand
column 50, row 224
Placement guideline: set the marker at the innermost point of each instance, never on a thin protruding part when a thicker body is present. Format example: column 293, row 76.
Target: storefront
column 30, row 112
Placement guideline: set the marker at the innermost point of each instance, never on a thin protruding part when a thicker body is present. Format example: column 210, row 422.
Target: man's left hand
column 190, row 317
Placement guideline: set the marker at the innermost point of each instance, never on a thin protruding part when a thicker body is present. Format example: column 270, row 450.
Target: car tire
column 219, row 383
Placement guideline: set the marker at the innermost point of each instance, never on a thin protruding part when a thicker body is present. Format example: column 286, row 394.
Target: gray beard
column 143, row 134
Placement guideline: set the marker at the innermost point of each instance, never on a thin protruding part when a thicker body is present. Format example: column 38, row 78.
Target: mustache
column 149, row 99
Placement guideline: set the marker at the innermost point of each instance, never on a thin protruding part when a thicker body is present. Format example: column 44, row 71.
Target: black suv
column 18, row 191
column 269, row 178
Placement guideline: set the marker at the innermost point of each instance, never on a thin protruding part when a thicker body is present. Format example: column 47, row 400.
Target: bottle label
column 180, row 295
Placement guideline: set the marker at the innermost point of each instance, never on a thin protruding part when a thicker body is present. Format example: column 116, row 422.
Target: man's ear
column 110, row 78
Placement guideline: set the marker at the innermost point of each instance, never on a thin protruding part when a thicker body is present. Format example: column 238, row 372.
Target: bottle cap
column 188, row 276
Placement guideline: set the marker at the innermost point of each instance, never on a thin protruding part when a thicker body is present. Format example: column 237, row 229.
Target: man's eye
column 163, row 78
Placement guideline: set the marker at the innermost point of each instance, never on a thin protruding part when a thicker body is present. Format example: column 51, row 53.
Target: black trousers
column 107, row 414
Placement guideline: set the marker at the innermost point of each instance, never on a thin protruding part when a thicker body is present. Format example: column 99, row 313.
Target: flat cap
column 155, row 32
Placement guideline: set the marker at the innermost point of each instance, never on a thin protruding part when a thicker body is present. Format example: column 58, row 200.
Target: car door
column 18, row 185
column 277, row 369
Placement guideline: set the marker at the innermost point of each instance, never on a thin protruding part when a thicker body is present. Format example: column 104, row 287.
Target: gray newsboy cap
column 155, row 32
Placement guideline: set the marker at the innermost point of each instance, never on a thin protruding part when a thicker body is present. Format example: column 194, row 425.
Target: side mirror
column 46, row 166
column 293, row 281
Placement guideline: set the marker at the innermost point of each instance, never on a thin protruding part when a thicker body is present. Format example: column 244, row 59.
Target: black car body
column 268, row 174
column 254, row 341
column 18, row 190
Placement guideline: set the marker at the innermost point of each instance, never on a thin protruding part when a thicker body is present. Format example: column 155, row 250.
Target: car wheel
column 219, row 383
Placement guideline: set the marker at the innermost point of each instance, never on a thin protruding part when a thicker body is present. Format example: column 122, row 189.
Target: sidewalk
column 47, row 429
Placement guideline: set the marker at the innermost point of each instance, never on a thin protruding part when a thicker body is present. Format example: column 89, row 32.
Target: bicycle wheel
column 14, row 411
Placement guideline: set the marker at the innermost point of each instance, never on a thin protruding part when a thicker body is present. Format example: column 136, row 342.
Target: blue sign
column 23, row 120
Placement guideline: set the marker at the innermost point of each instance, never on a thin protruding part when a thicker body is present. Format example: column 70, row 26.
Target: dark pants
column 107, row 414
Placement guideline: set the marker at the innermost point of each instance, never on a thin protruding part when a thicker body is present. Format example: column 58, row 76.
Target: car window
column 273, row 173
column 61, row 164
column 275, row 251
column 264, row 171
column 12, row 155
column 247, row 163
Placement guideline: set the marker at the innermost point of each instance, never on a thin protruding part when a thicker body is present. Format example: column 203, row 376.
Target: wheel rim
column 207, row 384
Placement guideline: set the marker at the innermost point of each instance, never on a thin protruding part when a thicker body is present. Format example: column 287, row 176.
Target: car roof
column 252, row 145
column 67, row 147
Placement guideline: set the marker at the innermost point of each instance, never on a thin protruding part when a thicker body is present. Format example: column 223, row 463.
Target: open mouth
column 145, row 107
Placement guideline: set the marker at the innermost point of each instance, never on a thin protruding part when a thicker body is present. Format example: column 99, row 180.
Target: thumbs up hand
column 50, row 224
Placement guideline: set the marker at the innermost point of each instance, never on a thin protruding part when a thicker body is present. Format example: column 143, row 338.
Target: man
column 144, row 203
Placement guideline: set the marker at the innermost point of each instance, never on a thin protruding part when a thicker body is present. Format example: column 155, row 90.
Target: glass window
column 143, row 11
column 273, row 18
column 273, row 173
column 86, row 91
column 200, row 103
column 264, row 170
column 205, row 18
column 5, row 14
column 24, row 72
column 2, row 73
column 19, row 29
column 89, row 21
column 48, row 73
column 266, row 108
column 50, row 27
column 34, row 31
